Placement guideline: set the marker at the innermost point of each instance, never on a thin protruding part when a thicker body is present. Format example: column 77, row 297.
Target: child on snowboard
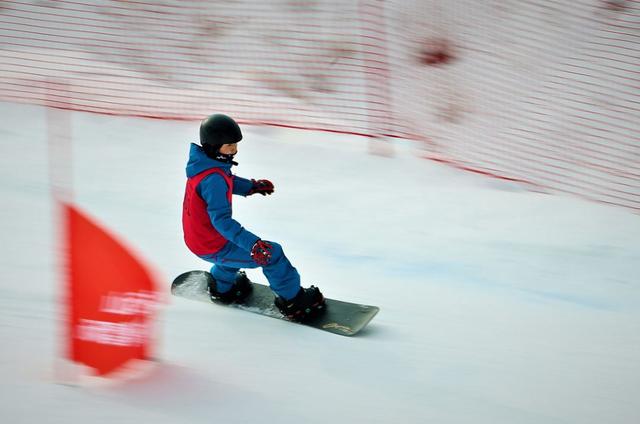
column 211, row 233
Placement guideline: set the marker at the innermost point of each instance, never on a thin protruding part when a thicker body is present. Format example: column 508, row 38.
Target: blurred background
column 540, row 91
column 472, row 167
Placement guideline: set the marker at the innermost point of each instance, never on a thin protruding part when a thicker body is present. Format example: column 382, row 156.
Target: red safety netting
column 546, row 92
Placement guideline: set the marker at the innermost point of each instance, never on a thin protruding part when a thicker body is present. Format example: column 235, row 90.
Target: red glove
column 263, row 187
column 261, row 252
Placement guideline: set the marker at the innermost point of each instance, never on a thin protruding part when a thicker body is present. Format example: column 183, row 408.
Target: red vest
column 199, row 234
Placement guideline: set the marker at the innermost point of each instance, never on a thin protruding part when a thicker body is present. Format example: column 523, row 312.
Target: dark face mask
column 213, row 153
column 225, row 158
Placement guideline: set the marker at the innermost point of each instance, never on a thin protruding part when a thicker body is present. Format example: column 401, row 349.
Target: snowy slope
column 498, row 305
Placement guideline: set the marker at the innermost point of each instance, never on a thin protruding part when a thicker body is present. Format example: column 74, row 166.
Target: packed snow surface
column 498, row 305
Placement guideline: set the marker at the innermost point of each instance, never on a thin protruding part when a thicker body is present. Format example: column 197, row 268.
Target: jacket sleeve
column 241, row 186
column 213, row 190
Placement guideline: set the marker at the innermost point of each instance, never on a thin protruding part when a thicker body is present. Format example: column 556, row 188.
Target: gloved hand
column 261, row 252
column 263, row 187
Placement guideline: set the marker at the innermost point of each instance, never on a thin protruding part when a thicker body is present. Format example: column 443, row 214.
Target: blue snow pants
column 283, row 278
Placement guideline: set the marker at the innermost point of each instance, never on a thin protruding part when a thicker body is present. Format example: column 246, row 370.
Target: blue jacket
column 213, row 190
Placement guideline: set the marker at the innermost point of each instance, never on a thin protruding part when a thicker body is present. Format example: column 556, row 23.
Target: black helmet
column 216, row 130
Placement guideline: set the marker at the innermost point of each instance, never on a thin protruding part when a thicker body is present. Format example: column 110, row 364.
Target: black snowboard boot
column 308, row 304
column 241, row 288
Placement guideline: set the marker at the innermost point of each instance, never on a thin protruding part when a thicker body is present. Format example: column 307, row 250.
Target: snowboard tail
column 339, row 317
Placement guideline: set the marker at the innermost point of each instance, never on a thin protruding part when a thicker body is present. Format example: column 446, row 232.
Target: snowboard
column 339, row 317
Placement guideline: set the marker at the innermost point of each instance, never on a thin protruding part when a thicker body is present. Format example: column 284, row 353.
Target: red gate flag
column 112, row 298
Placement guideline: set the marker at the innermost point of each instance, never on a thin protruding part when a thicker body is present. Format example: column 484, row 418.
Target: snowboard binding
column 238, row 293
column 305, row 306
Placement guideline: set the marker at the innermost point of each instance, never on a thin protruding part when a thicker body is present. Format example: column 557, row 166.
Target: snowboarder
column 211, row 232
